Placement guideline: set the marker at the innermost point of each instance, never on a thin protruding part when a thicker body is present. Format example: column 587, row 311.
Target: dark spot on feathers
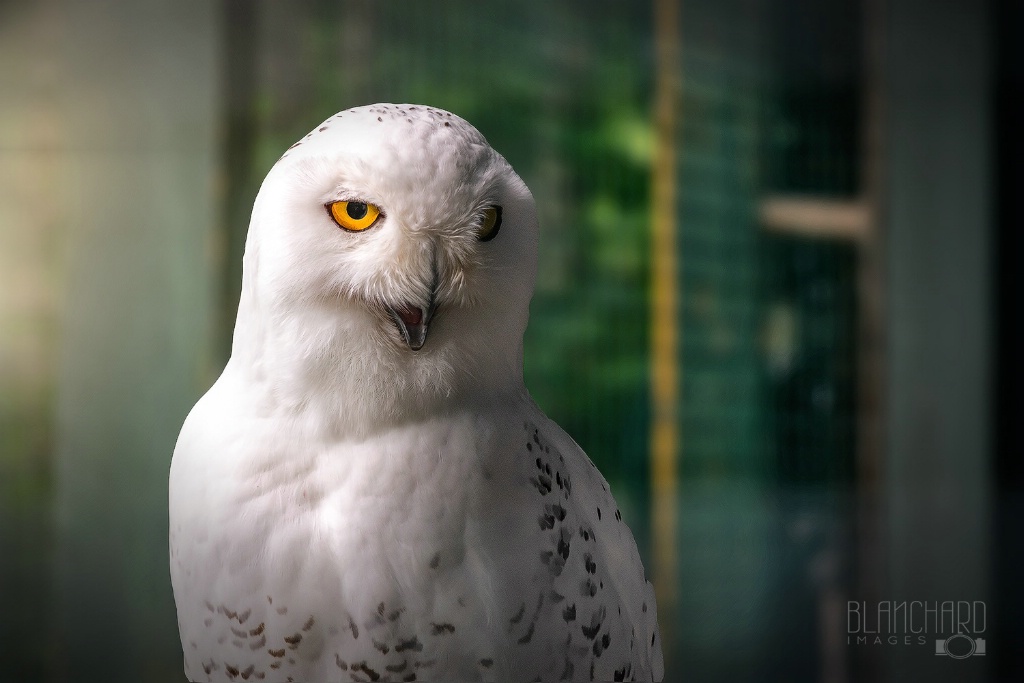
column 355, row 629
column 557, row 510
column 567, row 671
column 643, row 608
column 569, row 613
column 397, row 613
column 248, row 672
column 323, row 128
column 340, row 663
column 309, row 624
column 379, row 118
column 598, row 513
column 438, row 629
column 413, row 644
column 588, row 589
column 258, row 630
column 398, row 668
column 232, row 671
column 446, row 124
column 486, row 662
column 529, row 447
column 519, row 615
column 529, row 634
column 277, row 653
column 618, row 515
column 362, row 666
column 293, row 640
column 435, row 560
column 563, row 544
column 380, row 609
column 542, row 483
column 546, row 521
column 595, row 625
column 556, row 596
column 588, row 562
column 380, row 647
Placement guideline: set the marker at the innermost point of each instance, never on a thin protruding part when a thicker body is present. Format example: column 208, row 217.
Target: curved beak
column 412, row 322
column 412, row 319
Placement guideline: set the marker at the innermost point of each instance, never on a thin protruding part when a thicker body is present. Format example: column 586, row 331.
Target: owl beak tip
column 412, row 322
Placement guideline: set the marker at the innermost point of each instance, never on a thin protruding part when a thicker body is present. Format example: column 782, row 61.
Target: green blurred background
column 846, row 225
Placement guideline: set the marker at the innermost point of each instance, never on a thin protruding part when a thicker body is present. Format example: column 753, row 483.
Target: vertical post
column 871, row 323
column 665, row 372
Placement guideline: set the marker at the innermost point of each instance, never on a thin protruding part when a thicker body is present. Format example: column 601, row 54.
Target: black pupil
column 356, row 210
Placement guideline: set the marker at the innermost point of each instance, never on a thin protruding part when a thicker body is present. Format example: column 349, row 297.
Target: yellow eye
column 490, row 224
column 354, row 216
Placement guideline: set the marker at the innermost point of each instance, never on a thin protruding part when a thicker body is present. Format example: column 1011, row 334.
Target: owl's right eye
column 354, row 216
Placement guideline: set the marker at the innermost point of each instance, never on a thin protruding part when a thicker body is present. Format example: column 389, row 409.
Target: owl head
column 390, row 262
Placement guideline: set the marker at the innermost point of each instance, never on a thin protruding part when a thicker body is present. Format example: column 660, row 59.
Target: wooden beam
column 816, row 217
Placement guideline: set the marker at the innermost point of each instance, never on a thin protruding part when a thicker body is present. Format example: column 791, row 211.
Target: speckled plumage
column 346, row 508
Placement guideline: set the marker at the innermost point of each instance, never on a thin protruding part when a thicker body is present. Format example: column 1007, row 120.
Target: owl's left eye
column 490, row 224
column 354, row 216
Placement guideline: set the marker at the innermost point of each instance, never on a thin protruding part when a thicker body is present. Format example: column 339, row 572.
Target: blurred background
column 775, row 300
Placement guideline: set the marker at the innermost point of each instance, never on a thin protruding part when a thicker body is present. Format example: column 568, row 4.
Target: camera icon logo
column 959, row 646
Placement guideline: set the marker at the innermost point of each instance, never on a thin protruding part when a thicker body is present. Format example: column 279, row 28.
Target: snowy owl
column 368, row 492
